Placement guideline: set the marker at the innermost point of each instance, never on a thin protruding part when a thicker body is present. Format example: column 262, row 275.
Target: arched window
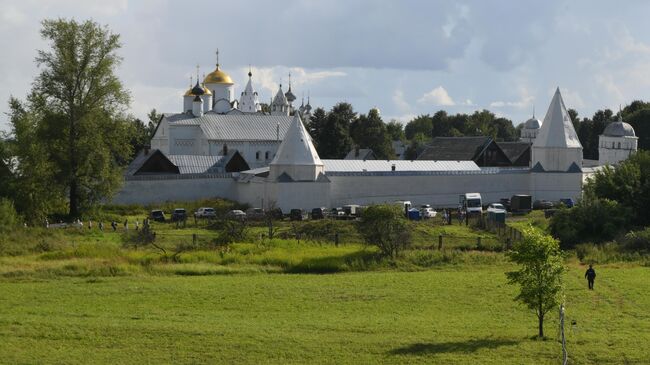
column 266, row 155
column 257, row 155
column 225, row 149
column 612, row 144
column 619, row 145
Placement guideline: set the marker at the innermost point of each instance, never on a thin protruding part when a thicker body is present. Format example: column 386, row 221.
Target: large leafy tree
column 334, row 140
column 74, row 113
column 395, row 130
column 369, row 131
column 421, row 124
column 317, row 124
column 540, row 273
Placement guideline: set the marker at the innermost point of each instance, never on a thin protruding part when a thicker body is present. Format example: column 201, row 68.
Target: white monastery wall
column 158, row 189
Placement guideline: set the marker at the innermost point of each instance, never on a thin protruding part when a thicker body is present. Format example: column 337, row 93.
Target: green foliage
column 395, row 131
column 334, row 140
column 628, row 184
column 71, row 137
column 637, row 241
column 422, row 124
column 416, row 146
column 591, row 220
column 540, row 274
column 370, row 132
column 9, row 219
column 385, row 227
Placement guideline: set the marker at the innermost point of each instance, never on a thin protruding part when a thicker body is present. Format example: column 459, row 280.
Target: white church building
column 270, row 161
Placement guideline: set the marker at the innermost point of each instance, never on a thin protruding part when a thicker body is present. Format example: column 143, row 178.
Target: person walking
column 590, row 274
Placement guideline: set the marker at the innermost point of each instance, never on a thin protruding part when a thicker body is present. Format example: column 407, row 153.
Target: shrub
column 637, row 241
column 591, row 220
column 386, row 227
column 9, row 218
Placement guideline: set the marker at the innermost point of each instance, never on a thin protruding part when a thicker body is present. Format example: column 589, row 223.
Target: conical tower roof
column 296, row 147
column 557, row 129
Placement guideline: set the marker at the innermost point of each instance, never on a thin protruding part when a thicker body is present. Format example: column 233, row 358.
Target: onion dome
column 218, row 77
column 619, row 129
column 198, row 89
column 289, row 95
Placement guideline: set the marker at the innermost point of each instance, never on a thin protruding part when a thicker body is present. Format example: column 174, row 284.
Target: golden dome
column 218, row 77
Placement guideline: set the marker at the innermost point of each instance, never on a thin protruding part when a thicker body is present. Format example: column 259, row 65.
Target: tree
column 417, row 145
column 395, row 130
column 317, row 124
column 386, row 227
column 540, row 274
column 142, row 133
column 421, row 124
column 334, row 141
column 77, row 104
column 370, row 132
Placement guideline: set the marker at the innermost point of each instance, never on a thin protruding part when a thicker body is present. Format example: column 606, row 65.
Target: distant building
column 617, row 143
column 481, row 149
column 360, row 154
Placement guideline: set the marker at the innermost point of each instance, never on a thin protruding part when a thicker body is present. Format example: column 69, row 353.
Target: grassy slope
column 448, row 315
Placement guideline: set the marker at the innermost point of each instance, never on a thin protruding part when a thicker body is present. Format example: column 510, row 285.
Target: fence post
column 439, row 242
column 478, row 242
column 193, row 239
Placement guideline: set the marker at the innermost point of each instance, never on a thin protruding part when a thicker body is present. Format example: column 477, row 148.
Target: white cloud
column 400, row 102
column 437, row 96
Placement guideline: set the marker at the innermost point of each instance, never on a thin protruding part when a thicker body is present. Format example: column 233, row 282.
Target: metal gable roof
column 240, row 127
column 400, row 165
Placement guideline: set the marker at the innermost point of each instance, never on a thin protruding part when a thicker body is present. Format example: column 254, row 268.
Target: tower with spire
column 280, row 104
column 249, row 101
column 557, row 147
column 531, row 129
column 617, row 142
column 296, row 158
column 222, row 88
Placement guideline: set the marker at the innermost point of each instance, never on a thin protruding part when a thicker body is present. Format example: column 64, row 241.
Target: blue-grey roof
column 244, row 127
column 400, row 165
column 194, row 164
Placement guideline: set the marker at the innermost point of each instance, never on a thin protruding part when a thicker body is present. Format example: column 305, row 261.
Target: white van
column 472, row 203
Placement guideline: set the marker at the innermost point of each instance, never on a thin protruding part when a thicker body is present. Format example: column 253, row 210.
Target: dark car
column 157, row 215
column 319, row 213
column 542, row 204
column 236, row 214
column 505, row 202
column 298, row 215
column 568, row 202
column 256, row 214
column 179, row 215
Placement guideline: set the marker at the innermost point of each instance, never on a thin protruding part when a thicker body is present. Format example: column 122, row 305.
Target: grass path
column 450, row 315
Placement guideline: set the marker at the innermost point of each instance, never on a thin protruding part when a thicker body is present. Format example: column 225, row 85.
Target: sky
column 405, row 58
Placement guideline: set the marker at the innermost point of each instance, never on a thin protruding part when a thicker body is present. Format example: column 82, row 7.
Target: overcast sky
column 404, row 57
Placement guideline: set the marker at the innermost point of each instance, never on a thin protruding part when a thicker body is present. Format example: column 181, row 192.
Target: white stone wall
column 187, row 140
column 612, row 150
column 256, row 153
column 286, row 196
column 160, row 140
column 555, row 158
column 157, row 190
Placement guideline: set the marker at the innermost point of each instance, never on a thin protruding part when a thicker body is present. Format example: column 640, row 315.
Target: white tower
column 531, row 129
column 222, row 88
column 296, row 155
column 617, row 142
column 249, row 102
column 557, row 147
column 280, row 105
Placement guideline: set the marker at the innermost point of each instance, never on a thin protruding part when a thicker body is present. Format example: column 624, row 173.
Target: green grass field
column 72, row 296
column 448, row 315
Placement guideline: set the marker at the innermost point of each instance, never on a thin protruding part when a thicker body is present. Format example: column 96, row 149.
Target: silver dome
column 533, row 123
column 619, row 129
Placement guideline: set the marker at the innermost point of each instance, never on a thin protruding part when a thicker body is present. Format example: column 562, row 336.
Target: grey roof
column 455, row 148
column 296, row 147
column 533, row 123
column 513, row 150
column 400, row 165
column 360, row 154
column 619, row 129
column 244, row 127
column 195, row 164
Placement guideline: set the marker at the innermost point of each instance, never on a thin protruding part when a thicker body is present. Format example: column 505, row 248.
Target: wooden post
column 478, row 242
column 439, row 242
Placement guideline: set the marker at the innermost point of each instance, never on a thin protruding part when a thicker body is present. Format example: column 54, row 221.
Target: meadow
column 85, row 296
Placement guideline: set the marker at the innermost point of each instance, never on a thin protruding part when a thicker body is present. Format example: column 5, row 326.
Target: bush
column 594, row 220
column 637, row 241
column 386, row 227
column 9, row 218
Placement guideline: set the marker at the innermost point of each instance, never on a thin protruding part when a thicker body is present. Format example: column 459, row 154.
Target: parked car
column 568, row 202
column 205, row 212
column 319, row 213
column 337, row 213
column 505, row 202
column 157, row 215
column 542, row 204
column 298, row 215
column 521, row 204
column 496, row 207
column 236, row 214
column 255, row 214
column 428, row 212
column 179, row 214
column 276, row 213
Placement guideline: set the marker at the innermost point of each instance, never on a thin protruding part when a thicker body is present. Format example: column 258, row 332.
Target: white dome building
column 531, row 129
column 617, row 143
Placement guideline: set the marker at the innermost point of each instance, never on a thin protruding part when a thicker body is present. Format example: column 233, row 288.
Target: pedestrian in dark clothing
column 591, row 276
